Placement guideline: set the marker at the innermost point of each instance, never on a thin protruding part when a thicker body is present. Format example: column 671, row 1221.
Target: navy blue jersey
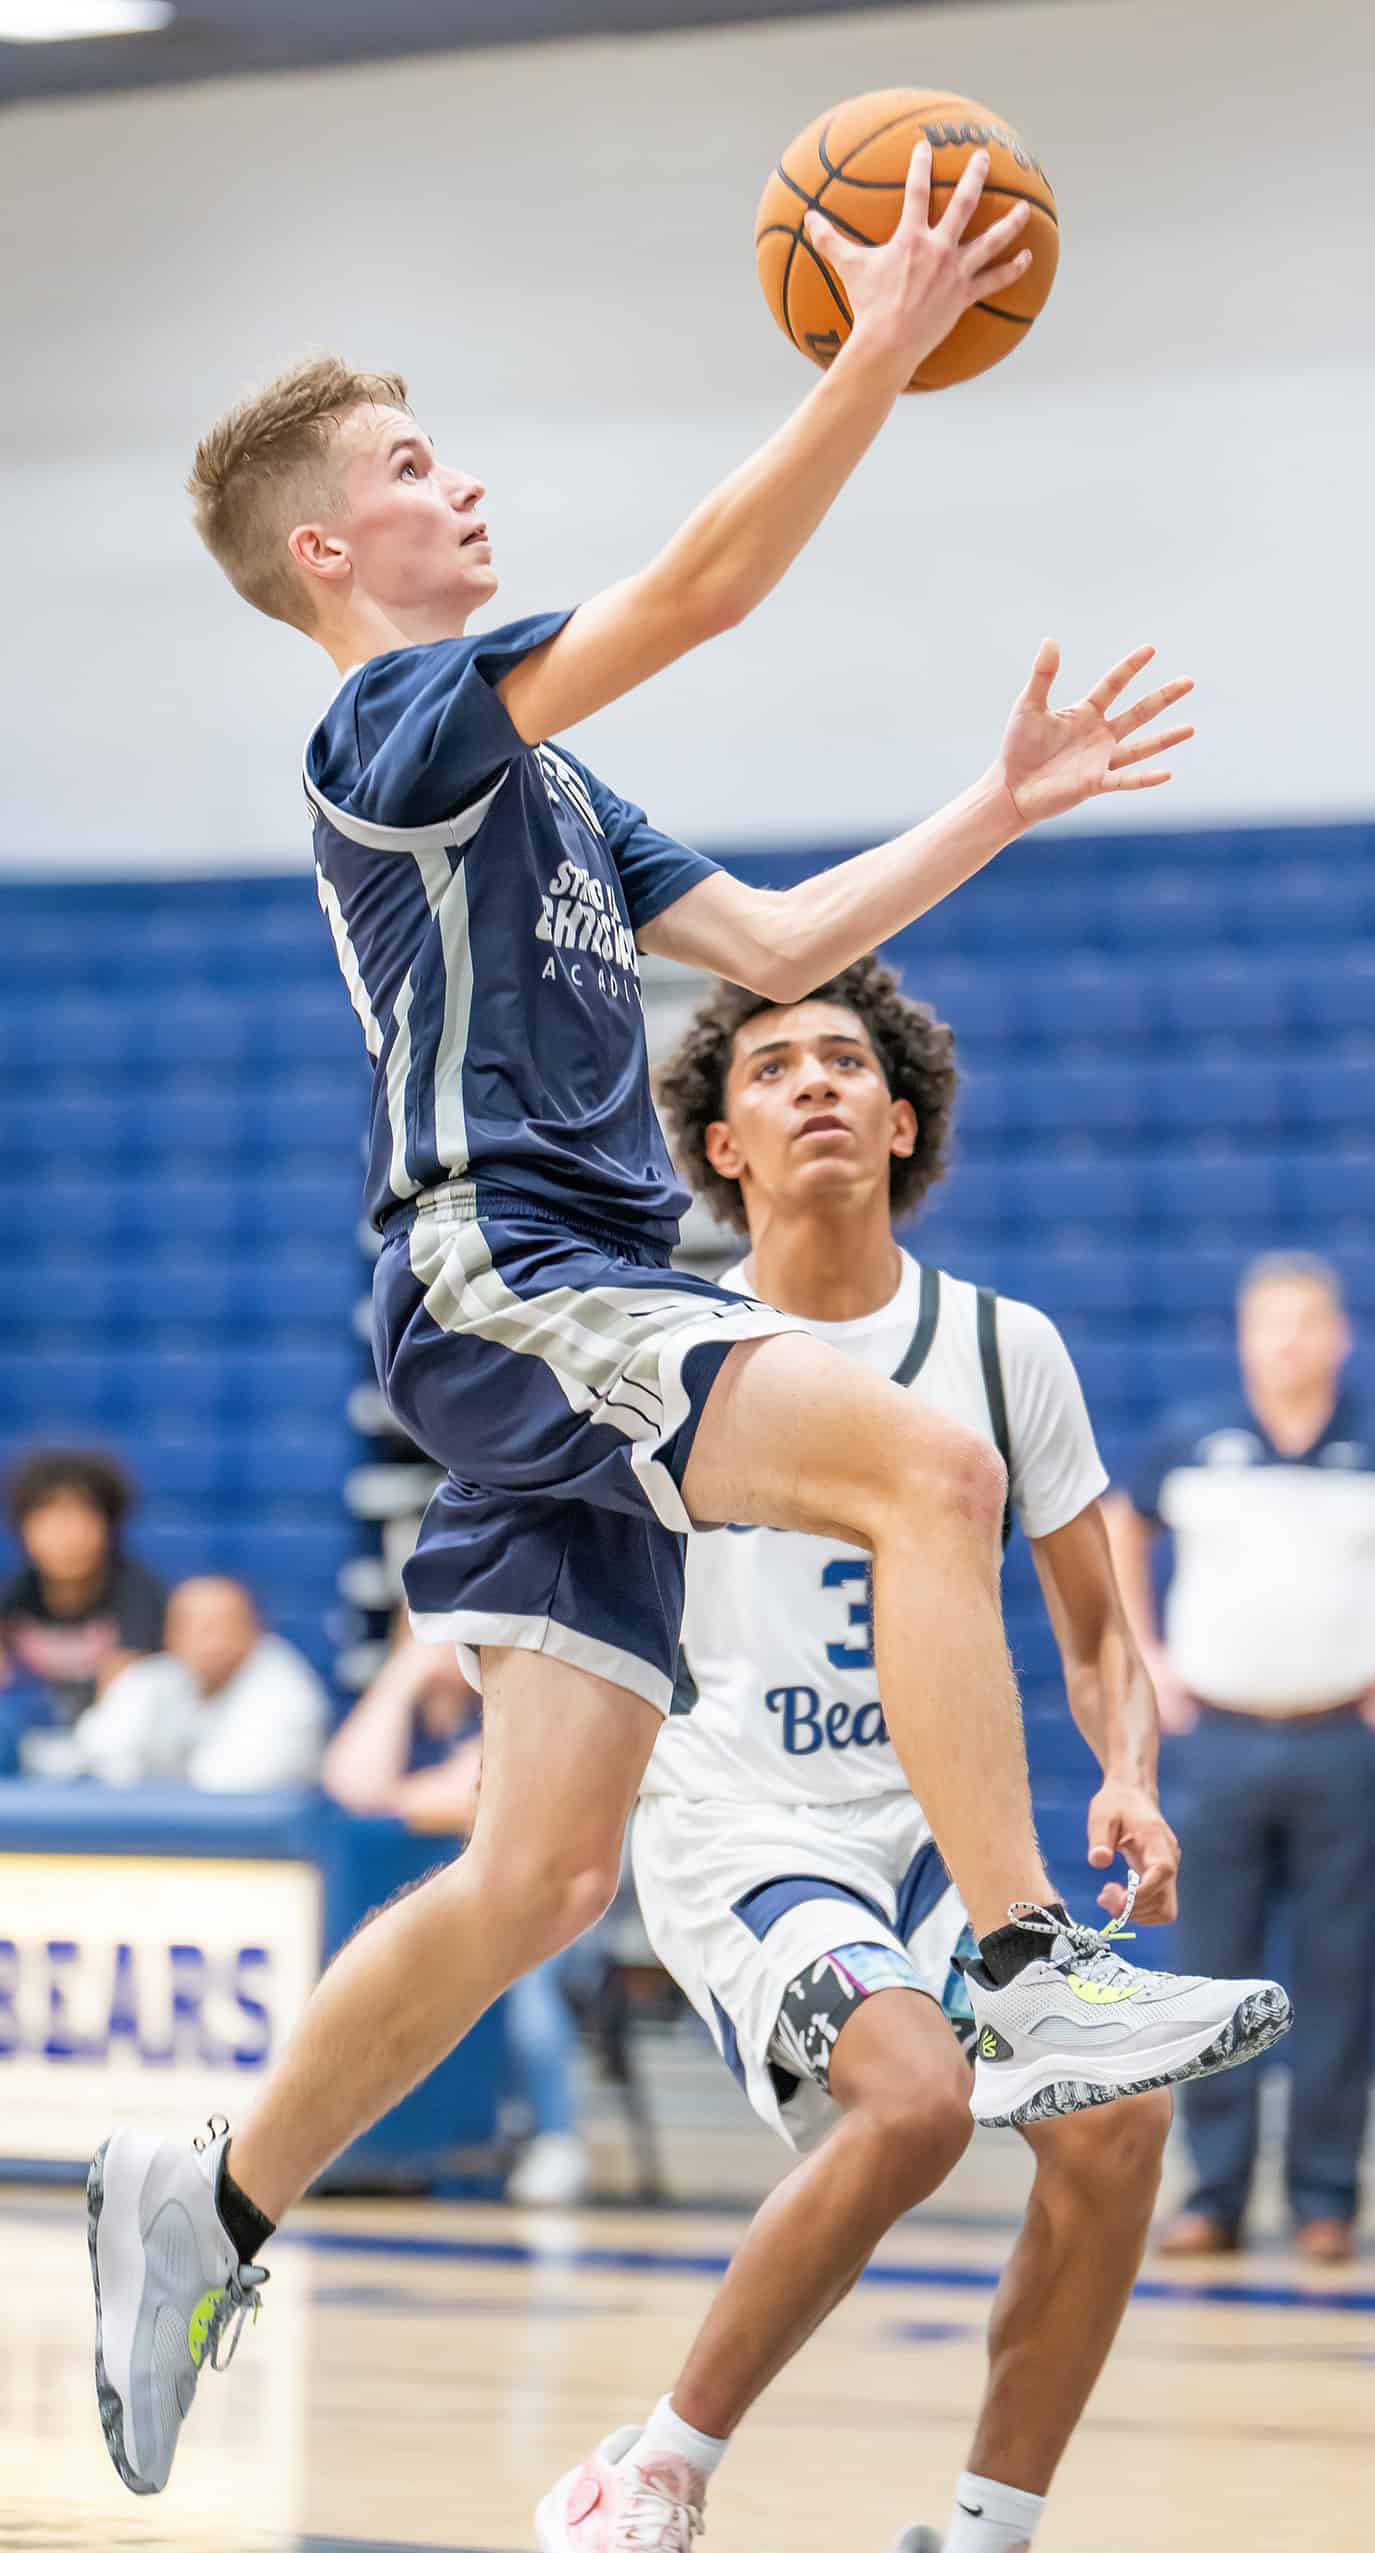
column 1222, row 1443
column 484, row 897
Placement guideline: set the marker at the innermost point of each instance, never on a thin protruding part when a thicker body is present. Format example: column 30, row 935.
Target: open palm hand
column 1053, row 759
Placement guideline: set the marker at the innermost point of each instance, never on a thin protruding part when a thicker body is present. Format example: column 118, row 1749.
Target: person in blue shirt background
column 1265, row 1674
column 590, row 1404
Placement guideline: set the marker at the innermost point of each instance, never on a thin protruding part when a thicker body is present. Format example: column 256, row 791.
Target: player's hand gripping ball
column 851, row 165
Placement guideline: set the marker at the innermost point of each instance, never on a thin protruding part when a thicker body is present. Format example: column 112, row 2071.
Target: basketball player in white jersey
column 787, row 1877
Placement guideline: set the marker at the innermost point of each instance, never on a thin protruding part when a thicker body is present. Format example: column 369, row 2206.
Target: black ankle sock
column 245, row 2224
column 1006, row 1952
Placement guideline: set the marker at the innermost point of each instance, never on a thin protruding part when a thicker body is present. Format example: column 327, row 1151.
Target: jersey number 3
column 858, row 1651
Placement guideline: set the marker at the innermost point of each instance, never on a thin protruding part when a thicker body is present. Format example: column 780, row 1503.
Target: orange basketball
column 853, row 165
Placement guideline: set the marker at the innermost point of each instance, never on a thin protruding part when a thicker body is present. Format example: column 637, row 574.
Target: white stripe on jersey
column 402, row 1181
column 450, row 1123
column 615, row 1352
column 349, row 967
column 450, row 835
column 435, row 876
column 600, row 1344
column 446, row 894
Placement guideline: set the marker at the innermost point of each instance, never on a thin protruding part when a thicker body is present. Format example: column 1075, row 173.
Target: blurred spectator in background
column 412, row 1748
column 1265, row 1674
column 77, row 1606
column 228, row 1707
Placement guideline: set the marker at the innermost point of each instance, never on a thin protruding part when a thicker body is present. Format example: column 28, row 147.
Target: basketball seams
column 909, row 115
column 812, row 204
column 1016, row 194
column 898, row 186
column 887, row 186
column 836, row 172
column 829, row 281
column 787, row 279
column 783, row 230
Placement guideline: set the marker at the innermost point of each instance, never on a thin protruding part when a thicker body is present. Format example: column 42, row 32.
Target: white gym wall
column 555, row 244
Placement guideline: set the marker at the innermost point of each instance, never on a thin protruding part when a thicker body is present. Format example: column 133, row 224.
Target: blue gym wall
column 1169, row 1044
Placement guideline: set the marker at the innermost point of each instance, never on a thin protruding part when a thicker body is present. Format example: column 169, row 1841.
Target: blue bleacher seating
column 181, row 1118
column 1169, row 1049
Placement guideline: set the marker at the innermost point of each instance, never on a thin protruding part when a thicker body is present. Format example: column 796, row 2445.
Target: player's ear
column 722, row 1150
column 903, row 1139
column 319, row 552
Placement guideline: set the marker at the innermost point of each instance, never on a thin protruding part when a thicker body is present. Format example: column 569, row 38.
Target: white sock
column 990, row 2517
column 665, row 2434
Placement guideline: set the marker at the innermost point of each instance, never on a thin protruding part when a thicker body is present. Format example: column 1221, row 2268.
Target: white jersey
column 778, row 1627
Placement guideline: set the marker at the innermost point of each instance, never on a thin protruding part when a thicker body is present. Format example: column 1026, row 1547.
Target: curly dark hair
column 98, row 1478
column 916, row 1050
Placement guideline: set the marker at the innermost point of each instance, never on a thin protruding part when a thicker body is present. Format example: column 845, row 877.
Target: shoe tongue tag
column 583, row 2498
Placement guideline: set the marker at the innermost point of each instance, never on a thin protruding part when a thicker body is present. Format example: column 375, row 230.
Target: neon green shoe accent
column 202, row 2319
column 988, row 2043
column 1089, row 1992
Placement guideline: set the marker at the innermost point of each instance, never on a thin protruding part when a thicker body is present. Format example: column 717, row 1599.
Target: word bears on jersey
column 809, row 1724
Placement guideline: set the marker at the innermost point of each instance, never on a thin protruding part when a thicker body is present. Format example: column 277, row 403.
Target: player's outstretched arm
column 905, row 296
column 1050, row 761
column 1114, row 1709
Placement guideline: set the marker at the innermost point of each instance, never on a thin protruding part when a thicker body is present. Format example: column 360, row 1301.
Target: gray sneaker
column 168, row 2286
column 1081, row 2026
column 918, row 2539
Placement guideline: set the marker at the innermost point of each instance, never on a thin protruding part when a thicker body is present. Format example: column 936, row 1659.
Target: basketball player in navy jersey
column 787, row 1876
column 487, row 896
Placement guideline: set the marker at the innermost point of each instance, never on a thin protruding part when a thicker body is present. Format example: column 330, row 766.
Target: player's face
column 1292, row 1336
column 809, row 1115
column 415, row 530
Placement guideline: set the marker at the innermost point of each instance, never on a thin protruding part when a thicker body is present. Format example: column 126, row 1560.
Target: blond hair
column 271, row 463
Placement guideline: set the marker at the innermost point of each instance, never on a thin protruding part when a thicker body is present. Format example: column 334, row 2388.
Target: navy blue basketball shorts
column 558, row 1374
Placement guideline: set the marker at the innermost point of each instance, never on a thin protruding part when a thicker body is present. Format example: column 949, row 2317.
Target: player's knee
column 975, row 1481
column 949, row 1469
column 1108, row 2158
column 918, row 2129
column 547, row 1901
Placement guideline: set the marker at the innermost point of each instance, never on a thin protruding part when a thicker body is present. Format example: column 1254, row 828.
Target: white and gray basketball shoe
column 607, row 2506
column 168, row 2286
column 1081, row 2026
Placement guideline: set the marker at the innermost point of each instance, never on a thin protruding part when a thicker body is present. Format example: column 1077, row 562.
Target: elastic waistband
column 477, row 1201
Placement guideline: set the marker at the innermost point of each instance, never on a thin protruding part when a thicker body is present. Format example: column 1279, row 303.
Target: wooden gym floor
column 420, row 2374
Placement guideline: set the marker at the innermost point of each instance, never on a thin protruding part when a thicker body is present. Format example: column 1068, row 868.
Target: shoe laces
column 238, row 2302
column 1088, row 1949
column 652, row 2521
